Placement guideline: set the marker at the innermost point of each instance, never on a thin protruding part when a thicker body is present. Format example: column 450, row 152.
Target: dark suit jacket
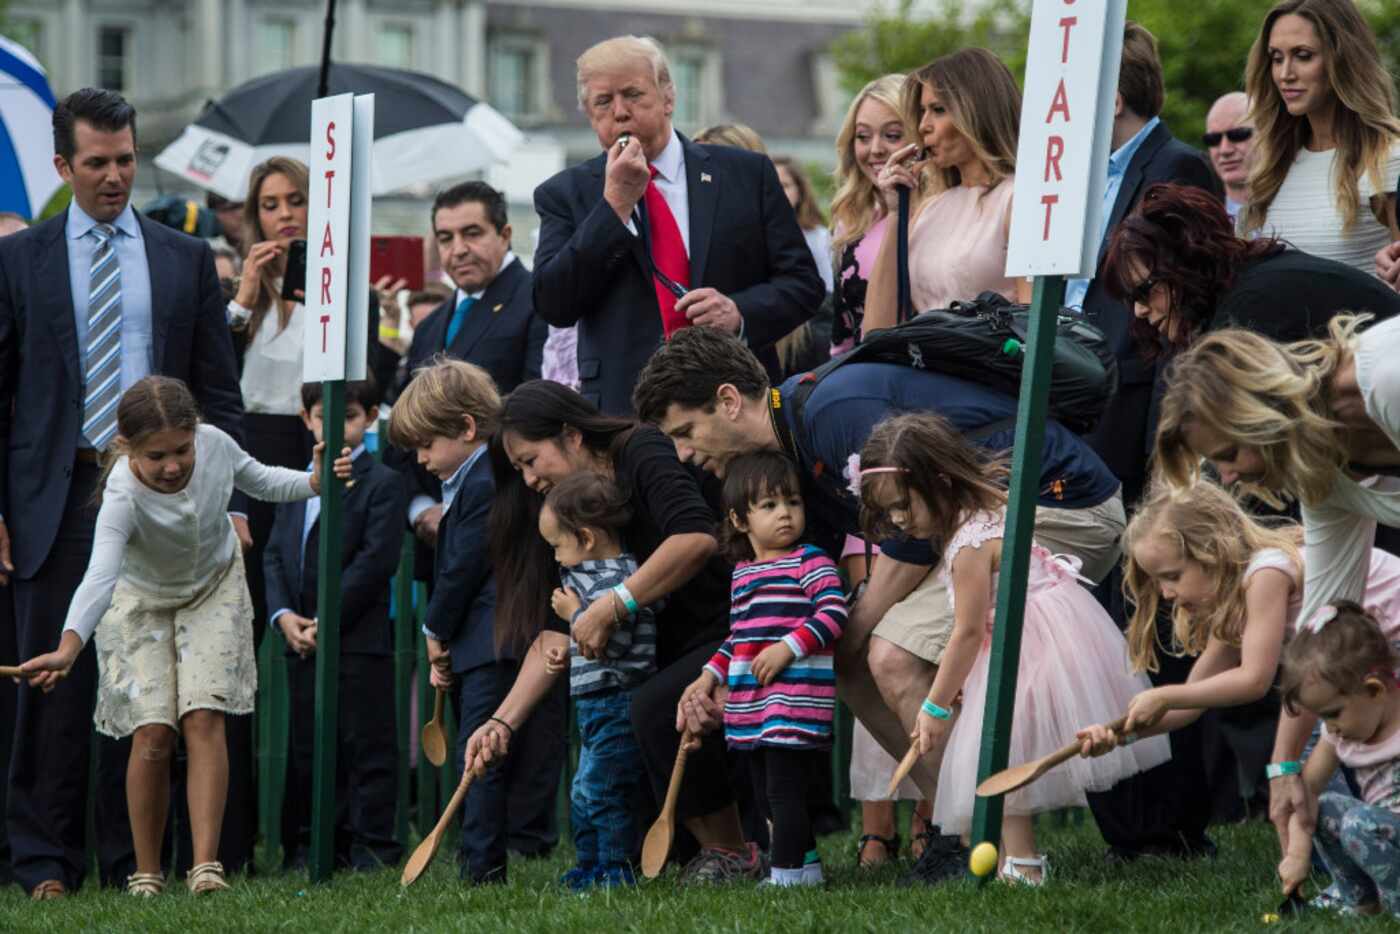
column 41, row 384
column 462, row 609
column 1123, row 437
column 744, row 242
column 371, row 536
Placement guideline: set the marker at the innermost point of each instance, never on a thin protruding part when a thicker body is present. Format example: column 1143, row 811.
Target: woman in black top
column 547, row 433
column 1177, row 262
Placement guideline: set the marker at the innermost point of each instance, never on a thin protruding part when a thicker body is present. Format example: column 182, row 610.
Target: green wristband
column 935, row 711
column 1279, row 769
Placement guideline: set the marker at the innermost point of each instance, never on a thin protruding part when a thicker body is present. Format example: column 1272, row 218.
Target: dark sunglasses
column 1141, row 292
column 1236, row 134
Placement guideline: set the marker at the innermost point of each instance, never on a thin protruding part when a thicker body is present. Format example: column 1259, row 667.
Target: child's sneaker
column 581, row 878
column 812, row 873
column 614, row 876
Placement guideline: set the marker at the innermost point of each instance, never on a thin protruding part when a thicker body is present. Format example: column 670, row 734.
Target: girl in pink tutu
column 921, row 479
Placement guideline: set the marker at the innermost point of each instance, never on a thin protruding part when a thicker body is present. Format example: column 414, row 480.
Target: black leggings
column 780, row 778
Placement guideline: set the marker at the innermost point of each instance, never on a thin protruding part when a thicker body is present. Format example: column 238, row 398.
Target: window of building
column 113, row 57
column 516, row 80
column 396, row 45
column 696, row 75
column 276, row 44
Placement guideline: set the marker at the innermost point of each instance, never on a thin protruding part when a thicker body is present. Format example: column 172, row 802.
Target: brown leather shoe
column 47, row 890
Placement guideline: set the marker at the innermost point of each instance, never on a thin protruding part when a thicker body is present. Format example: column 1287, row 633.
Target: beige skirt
column 161, row 657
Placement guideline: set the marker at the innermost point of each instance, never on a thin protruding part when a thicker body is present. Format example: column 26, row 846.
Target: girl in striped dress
column 788, row 610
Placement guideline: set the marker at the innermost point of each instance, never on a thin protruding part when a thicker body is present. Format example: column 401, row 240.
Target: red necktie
column 668, row 255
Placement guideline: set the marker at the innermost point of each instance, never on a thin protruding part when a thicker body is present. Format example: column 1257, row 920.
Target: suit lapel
column 434, row 332
column 1132, row 180
column 53, row 270
column 486, row 312
column 294, row 527
column 163, row 287
column 702, row 191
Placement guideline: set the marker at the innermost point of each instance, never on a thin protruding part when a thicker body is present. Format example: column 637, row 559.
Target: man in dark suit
column 659, row 233
column 65, row 285
column 371, row 534
column 1165, row 810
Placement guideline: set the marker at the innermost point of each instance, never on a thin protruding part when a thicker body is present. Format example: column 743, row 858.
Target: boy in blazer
column 371, row 539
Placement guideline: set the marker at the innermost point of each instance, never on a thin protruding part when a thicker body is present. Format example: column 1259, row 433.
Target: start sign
column 1066, row 128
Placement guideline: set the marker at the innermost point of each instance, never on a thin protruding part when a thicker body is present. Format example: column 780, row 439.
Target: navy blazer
column 744, row 242
column 1123, row 436
column 462, row 609
column 41, row 384
column 371, row 538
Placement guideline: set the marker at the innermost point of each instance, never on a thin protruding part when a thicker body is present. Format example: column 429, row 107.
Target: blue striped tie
column 102, row 358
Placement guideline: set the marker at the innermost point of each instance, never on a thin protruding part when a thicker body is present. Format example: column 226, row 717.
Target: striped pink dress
column 796, row 599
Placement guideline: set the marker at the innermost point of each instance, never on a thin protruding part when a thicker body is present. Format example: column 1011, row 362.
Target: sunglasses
column 1236, row 134
column 1142, row 292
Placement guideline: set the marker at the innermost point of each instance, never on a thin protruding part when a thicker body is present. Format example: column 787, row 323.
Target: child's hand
column 771, row 662
column 697, row 711
column 45, row 671
column 1096, row 740
column 1145, row 710
column 440, row 658
column 566, row 603
column 342, row 465
column 1293, row 872
column 299, row 632
column 556, row 660
column 930, row 733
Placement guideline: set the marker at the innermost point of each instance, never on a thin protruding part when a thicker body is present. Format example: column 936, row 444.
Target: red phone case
column 397, row 258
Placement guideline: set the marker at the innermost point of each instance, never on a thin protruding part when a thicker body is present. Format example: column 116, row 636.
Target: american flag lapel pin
column 705, row 177
column 498, row 308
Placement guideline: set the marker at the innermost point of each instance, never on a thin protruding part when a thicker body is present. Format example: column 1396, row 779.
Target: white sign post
column 328, row 238
column 1061, row 171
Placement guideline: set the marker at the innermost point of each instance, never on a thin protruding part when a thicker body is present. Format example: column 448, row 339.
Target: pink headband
column 855, row 474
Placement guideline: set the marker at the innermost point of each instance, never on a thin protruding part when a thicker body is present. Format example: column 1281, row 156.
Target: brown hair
column 809, row 213
column 1364, row 125
column 954, row 478
column 297, row 173
column 1343, row 652
column 985, row 103
column 437, row 401
column 1205, row 525
column 1140, row 74
column 588, row 500
column 748, row 478
column 152, row 404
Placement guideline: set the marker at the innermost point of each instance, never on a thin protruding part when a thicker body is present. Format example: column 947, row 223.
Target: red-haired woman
column 1177, row 261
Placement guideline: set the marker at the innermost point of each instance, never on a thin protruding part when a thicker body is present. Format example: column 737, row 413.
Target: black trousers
column 46, row 808
column 529, row 778
column 366, row 787
column 9, row 655
column 781, row 779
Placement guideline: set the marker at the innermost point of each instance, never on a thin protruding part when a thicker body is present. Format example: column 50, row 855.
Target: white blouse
column 271, row 381
column 174, row 544
column 1339, row 532
column 1305, row 213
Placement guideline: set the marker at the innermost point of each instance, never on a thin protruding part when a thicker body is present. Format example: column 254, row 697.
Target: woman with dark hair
column 1177, row 262
column 549, row 432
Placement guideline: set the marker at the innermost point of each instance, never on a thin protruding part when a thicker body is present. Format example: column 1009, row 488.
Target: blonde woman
column 1328, row 148
column 875, row 127
column 968, row 111
column 1316, row 420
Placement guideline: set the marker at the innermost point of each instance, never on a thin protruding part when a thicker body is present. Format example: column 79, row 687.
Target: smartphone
column 294, row 279
column 398, row 258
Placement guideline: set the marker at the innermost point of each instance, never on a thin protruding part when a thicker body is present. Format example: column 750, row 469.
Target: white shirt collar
column 671, row 163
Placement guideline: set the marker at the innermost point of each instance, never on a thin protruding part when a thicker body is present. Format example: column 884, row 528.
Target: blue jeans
column 1361, row 845
column 609, row 773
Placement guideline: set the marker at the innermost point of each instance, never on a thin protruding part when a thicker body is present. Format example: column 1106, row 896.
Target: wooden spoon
column 422, row 856
column 906, row 765
column 434, row 739
column 7, row 671
column 657, row 845
column 1019, row 776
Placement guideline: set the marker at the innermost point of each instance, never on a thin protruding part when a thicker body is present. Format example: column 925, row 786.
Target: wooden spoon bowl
column 433, row 737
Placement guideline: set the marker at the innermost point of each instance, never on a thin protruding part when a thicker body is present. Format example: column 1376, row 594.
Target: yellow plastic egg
column 984, row 859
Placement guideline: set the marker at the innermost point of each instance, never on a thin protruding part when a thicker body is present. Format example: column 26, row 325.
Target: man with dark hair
column 90, row 302
column 489, row 320
column 658, row 233
column 711, row 395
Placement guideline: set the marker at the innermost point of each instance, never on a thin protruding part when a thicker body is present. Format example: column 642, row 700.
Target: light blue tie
column 458, row 316
column 102, row 358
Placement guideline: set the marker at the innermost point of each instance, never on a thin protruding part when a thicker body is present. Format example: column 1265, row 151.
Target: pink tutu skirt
column 1074, row 673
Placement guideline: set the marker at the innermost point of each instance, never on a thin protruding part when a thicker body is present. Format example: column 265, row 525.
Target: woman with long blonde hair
column 968, row 111
column 1328, row 141
column 1315, row 420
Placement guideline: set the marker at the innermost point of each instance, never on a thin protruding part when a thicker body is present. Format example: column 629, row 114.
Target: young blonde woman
column 968, row 111
column 1315, row 420
column 1328, row 141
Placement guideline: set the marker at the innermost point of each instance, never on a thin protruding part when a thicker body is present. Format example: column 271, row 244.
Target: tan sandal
column 48, row 890
column 147, row 884
column 206, row 878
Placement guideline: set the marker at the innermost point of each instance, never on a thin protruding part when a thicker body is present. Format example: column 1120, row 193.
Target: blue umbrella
column 27, row 176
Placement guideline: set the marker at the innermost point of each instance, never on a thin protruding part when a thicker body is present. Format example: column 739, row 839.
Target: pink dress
column 1074, row 672
column 957, row 246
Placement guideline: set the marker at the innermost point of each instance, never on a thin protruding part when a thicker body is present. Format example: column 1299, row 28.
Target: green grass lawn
column 1230, row 892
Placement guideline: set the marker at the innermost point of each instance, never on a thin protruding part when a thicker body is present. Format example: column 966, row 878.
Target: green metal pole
column 403, row 681
column 323, row 781
column 1016, row 548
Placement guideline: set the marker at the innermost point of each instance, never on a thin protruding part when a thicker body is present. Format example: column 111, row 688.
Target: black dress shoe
column 944, row 858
